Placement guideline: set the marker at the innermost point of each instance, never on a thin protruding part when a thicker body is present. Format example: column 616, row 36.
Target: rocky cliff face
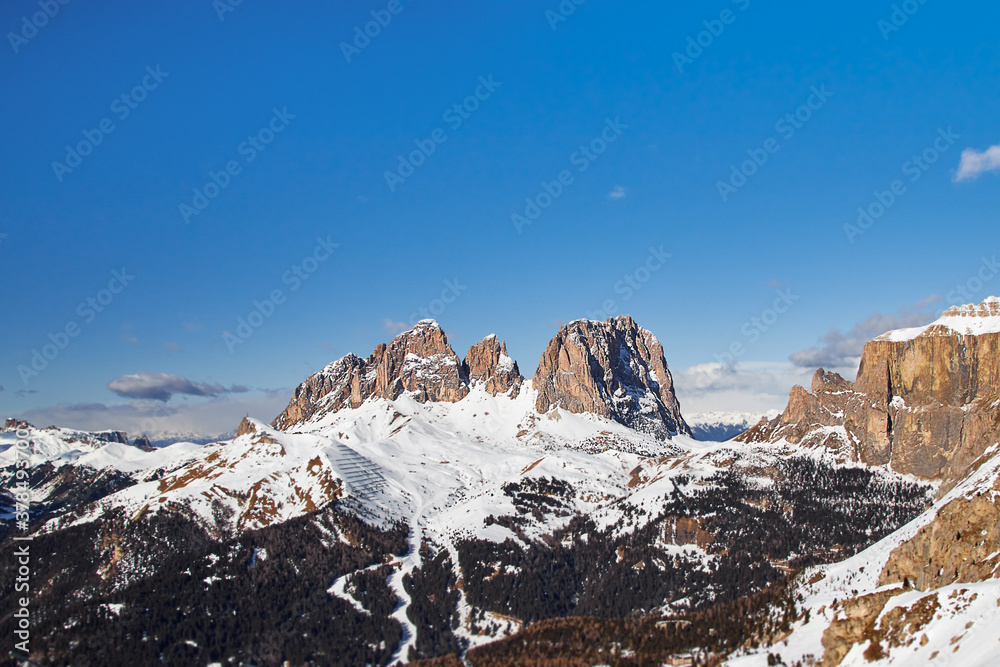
column 419, row 362
column 488, row 363
column 925, row 400
column 614, row 369
column 13, row 424
column 960, row 545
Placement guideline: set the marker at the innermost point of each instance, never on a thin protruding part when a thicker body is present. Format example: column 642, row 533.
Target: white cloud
column 974, row 163
column 617, row 193
column 840, row 350
column 393, row 328
column 740, row 387
column 161, row 386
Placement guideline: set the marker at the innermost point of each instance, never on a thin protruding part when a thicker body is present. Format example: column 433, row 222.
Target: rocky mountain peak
column 418, row 362
column 971, row 319
column 924, row 401
column 488, row 363
column 614, row 369
column 13, row 424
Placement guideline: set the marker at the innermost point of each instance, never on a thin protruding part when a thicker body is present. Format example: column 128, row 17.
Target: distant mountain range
column 722, row 426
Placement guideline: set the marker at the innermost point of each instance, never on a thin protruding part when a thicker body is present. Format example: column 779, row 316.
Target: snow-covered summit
column 968, row 320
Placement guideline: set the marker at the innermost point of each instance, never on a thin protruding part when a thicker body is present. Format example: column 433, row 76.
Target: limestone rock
column 246, row 427
column 960, row 545
column 120, row 437
column 14, row 424
column 924, row 402
column 488, row 363
column 614, row 369
column 142, row 442
column 419, row 362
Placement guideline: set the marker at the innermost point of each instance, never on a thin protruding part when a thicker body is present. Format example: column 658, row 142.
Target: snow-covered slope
column 852, row 616
column 447, row 470
column 98, row 450
column 967, row 320
column 442, row 456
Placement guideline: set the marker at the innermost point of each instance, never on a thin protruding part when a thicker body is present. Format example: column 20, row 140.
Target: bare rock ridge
column 488, row 363
column 924, row 403
column 419, row 363
column 13, row 424
column 614, row 369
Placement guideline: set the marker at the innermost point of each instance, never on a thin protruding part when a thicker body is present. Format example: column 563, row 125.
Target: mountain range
column 417, row 506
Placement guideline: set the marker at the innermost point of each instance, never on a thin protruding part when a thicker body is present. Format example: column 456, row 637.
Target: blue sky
column 208, row 84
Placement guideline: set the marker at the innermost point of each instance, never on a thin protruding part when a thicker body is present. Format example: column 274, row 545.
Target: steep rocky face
column 925, row 400
column 341, row 384
column 419, row 362
column 962, row 543
column 143, row 442
column 13, row 424
column 488, row 363
column 111, row 436
column 614, row 369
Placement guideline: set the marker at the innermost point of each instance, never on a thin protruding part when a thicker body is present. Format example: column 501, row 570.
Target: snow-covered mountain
column 413, row 504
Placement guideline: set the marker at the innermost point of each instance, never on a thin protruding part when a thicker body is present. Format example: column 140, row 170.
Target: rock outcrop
column 246, row 427
column 14, row 424
column 924, row 402
column 120, row 437
column 614, row 369
column 419, row 362
column 489, row 364
column 960, row 545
